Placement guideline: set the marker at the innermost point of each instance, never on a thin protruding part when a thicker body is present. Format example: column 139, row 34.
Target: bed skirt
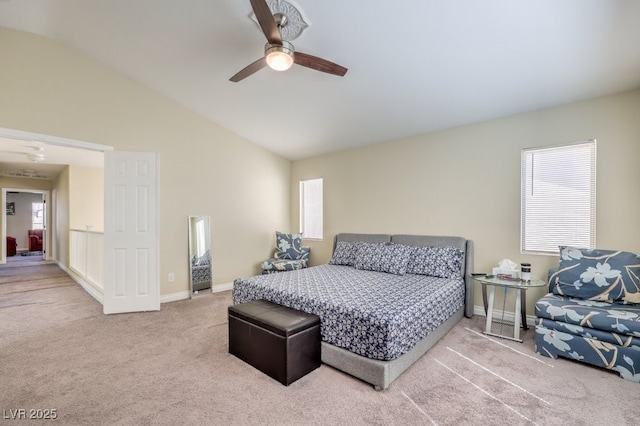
column 381, row 373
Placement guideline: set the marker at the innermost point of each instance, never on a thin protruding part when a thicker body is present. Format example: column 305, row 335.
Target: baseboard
column 174, row 297
column 181, row 295
column 84, row 284
column 222, row 287
column 508, row 316
column 167, row 298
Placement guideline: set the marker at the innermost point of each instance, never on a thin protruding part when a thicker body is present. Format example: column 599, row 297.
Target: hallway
column 30, row 259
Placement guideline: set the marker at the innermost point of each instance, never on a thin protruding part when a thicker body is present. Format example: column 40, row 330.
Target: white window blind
column 37, row 215
column 201, row 238
column 311, row 208
column 558, row 197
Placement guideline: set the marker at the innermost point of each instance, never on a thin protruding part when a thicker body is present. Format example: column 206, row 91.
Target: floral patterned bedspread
column 374, row 314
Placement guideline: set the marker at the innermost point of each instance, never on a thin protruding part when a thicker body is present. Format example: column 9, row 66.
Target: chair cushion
column 288, row 246
column 609, row 317
column 201, row 274
column 601, row 275
column 279, row 265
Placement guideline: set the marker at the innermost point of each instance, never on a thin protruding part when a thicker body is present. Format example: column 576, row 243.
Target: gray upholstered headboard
column 426, row 240
column 366, row 238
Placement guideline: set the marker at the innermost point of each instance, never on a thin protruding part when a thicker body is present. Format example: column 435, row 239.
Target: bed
column 376, row 321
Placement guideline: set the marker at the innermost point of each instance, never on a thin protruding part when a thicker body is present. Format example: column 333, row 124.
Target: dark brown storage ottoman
column 281, row 342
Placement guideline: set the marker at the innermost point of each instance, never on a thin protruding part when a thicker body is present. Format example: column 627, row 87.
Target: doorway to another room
column 107, row 243
column 25, row 225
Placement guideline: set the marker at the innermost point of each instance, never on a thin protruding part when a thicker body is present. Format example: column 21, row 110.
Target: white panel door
column 131, row 278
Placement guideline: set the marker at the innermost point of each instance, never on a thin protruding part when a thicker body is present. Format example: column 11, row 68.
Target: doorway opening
column 100, row 259
column 24, row 174
column 25, row 226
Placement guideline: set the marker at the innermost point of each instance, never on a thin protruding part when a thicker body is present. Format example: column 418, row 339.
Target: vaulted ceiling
column 413, row 66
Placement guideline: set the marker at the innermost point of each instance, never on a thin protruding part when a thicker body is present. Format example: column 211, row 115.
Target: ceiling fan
column 280, row 55
column 35, row 156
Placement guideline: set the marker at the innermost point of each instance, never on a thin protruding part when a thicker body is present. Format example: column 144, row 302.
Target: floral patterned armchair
column 592, row 313
column 201, row 271
column 289, row 254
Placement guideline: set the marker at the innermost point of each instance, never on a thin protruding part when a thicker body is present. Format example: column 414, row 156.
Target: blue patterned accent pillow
column 288, row 246
column 382, row 257
column 443, row 262
column 602, row 275
column 344, row 254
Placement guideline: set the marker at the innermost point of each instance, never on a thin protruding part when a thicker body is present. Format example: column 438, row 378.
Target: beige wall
column 25, row 183
column 60, row 199
column 86, row 203
column 466, row 181
column 204, row 169
column 463, row 181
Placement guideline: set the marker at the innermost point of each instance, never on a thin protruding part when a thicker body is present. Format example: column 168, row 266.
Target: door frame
column 46, row 197
column 54, row 140
column 51, row 214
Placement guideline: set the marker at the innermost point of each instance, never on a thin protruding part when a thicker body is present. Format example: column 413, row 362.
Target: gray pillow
column 382, row 257
column 344, row 254
column 443, row 262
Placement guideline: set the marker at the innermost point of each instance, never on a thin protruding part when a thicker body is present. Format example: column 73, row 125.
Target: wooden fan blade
column 266, row 21
column 249, row 69
column 319, row 64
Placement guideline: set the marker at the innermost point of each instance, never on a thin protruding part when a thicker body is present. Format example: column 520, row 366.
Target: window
column 201, row 238
column 37, row 215
column 311, row 208
column 558, row 197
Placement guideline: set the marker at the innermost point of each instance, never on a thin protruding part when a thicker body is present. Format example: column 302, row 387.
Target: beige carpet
column 58, row 351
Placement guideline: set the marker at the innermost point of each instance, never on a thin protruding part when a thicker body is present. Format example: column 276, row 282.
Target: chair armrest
column 305, row 252
column 549, row 275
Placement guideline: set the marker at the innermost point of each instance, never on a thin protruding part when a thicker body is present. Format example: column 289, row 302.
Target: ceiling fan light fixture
column 275, row 17
column 36, row 158
column 279, row 57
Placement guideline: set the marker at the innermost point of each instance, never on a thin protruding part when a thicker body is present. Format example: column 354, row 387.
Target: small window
column 558, row 197
column 201, row 238
column 37, row 215
column 311, row 208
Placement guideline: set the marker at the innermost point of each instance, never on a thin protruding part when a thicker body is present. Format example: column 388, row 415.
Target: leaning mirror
column 199, row 254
